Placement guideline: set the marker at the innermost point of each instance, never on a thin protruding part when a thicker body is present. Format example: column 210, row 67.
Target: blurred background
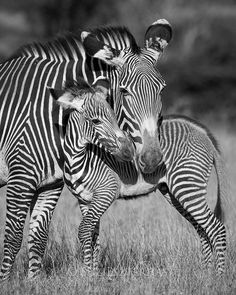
column 198, row 66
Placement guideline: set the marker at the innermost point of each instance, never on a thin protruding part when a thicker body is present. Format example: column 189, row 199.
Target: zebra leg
column 196, row 211
column 205, row 243
column 102, row 199
column 41, row 215
column 207, row 249
column 216, row 234
column 18, row 202
column 95, row 239
column 96, row 246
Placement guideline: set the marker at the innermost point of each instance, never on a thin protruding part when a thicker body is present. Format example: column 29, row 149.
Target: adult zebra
column 189, row 153
column 31, row 156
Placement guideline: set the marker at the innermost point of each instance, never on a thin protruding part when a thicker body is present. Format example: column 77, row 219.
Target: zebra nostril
column 122, row 140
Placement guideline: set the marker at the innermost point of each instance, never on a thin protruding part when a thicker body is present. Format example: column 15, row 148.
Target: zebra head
column 91, row 119
column 136, row 87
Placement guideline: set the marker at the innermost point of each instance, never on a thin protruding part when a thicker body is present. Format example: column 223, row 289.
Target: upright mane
column 78, row 87
column 117, row 37
column 68, row 46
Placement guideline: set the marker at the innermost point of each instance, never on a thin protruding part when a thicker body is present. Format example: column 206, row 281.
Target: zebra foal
column 93, row 123
column 96, row 123
column 189, row 153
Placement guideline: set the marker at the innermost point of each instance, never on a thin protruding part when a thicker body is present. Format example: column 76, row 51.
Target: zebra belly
column 52, row 177
column 138, row 189
column 3, row 169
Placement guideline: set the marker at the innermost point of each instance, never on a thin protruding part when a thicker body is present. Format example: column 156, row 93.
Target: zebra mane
column 62, row 44
column 69, row 45
column 117, row 37
column 78, row 87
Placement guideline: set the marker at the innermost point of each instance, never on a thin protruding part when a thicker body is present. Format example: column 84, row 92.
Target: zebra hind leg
column 211, row 225
column 216, row 233
column 209, row 228
column 41, row 215
column 205, row 243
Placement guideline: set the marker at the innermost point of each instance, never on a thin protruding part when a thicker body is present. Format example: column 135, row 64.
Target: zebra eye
column 96, row 121
column 160, row 119
column 162, row 90
column 124, row 91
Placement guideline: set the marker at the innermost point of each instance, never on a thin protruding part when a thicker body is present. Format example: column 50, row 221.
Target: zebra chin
column 124, row 154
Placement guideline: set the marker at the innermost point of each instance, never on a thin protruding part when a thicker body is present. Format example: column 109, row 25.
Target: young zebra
column 189, row 153
column 91, row 121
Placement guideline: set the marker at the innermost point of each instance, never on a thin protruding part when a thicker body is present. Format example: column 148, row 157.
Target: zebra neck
column 76, row 148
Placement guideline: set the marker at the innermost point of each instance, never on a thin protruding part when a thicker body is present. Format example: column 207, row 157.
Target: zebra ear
column 56, row 93
column 102, row 84
column 98, row 49
column 157, row 37
column 66, row 100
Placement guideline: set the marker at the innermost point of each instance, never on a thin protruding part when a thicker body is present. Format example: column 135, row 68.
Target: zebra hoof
column 32, row 276
column 4, row 278
column 163, row 188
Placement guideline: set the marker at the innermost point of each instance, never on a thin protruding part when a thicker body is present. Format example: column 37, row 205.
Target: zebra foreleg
column 96, row 246
column 18, row 202
column 89, row 225
column 95, row 239
column 41, row 215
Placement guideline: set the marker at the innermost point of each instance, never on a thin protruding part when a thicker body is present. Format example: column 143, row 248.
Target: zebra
column 97, row 123
column 189, row 153
column 31, row 154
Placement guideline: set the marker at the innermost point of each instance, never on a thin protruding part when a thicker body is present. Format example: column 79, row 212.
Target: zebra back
column 184, row 137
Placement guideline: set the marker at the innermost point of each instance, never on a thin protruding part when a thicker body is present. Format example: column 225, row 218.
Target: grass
column 147, row 248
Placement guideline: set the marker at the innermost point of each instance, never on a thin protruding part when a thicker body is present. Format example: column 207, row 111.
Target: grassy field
column 147, row 248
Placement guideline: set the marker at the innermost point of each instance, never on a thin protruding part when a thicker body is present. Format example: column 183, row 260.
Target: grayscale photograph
column 117, row 147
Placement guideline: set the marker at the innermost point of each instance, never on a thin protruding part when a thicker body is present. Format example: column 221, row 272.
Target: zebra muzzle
column 125, row 149
column 150, row 160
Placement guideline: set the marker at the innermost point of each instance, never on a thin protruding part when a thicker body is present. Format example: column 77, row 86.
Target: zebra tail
column 222, row 205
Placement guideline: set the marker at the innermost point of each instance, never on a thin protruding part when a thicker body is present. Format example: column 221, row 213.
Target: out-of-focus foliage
column 199, row 65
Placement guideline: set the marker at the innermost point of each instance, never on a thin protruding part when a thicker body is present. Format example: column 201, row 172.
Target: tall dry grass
column 147, row 248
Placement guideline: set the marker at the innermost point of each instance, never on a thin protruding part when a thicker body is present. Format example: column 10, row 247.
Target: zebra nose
column 149, row 161
column 122, row 140
column 126, row 148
